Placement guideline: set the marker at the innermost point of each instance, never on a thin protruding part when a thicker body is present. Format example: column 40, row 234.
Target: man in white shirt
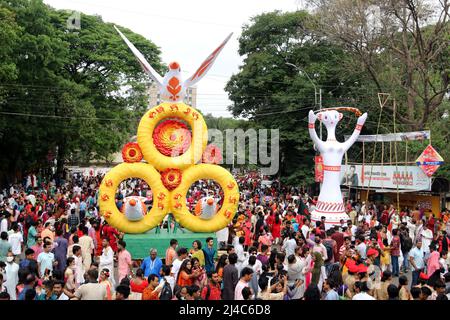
column 16, row 240
column 79, row 270
column 427, row 237
column 361, row 247
column 107, row 260
column 11, row 276
column 362, row 289
column 305, row 228
column 4, row 222
column 239, row 249
column 176, row 264
column 246, row 276
column 257, row 267
column 290, row 245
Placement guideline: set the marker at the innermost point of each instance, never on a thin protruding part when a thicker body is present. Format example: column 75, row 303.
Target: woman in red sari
column 276, row 228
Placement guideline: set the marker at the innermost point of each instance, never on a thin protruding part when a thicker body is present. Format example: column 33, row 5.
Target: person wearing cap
column 350, row 279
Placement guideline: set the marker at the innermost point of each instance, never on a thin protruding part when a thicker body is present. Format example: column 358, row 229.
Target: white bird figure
column 171, row 87
column 206, row 208
column 134, row 208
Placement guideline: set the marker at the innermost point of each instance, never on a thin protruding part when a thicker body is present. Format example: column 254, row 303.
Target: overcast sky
column 187, row 32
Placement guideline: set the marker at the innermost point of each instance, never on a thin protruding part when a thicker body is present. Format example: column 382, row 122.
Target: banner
column 318, row 160
column 430, row 160
column 385, row 177
column 401, row 136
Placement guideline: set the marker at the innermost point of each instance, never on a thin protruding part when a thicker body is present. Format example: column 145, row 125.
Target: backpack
column 166, row 292
column 407, row 244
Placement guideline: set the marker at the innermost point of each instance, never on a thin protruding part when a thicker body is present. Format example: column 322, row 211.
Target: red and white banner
column 318, row 168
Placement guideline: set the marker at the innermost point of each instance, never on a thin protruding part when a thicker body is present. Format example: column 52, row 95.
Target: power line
column 62, row 117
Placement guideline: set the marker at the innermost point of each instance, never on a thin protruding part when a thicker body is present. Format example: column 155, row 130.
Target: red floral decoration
column 212, row 154
column 131, row 152
column 172, row 137
column 171, row 178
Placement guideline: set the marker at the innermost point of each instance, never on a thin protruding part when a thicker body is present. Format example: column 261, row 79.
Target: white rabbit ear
column 206, row 65
column 143, row 62
column 340, row 116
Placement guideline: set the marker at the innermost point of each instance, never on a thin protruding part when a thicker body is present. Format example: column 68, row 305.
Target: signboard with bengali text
column 385, row 177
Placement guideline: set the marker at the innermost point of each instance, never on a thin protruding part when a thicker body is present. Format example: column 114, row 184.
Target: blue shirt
column 418, row 257
column 151, row 267
column 332, row 295
column 22, row 293
column 43, row 296
column 209, row 254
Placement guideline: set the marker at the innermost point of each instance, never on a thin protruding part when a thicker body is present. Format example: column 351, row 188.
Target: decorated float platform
column 171, row 153
column 139, row 245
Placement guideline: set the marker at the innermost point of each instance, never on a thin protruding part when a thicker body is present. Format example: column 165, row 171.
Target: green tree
column 76, row 94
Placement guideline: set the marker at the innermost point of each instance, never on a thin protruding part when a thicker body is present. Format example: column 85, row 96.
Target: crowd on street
column 55, row 246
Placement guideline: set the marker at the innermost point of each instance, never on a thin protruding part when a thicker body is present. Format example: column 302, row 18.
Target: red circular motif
column 131, row 152
column 171, row 178
column 172, row 137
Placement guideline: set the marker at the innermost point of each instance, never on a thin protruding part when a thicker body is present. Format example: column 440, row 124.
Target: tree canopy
column 65, row 93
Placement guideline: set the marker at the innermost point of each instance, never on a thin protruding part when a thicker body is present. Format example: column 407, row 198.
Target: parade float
column 171, row 154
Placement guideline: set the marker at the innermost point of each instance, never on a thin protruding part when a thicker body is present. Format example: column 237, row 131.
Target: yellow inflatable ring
column 230, row 203
column 107, row 193
column 172, row 110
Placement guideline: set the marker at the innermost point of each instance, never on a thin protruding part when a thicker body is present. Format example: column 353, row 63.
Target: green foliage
column 83, row 88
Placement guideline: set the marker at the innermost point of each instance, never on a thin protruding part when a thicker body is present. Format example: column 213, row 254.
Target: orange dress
column 184, row 279
column 150, row 294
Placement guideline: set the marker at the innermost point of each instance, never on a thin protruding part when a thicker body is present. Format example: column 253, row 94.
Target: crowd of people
column 55, row 246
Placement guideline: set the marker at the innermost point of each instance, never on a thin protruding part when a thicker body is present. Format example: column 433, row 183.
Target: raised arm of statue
column 347, row 144
column 312, row 132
